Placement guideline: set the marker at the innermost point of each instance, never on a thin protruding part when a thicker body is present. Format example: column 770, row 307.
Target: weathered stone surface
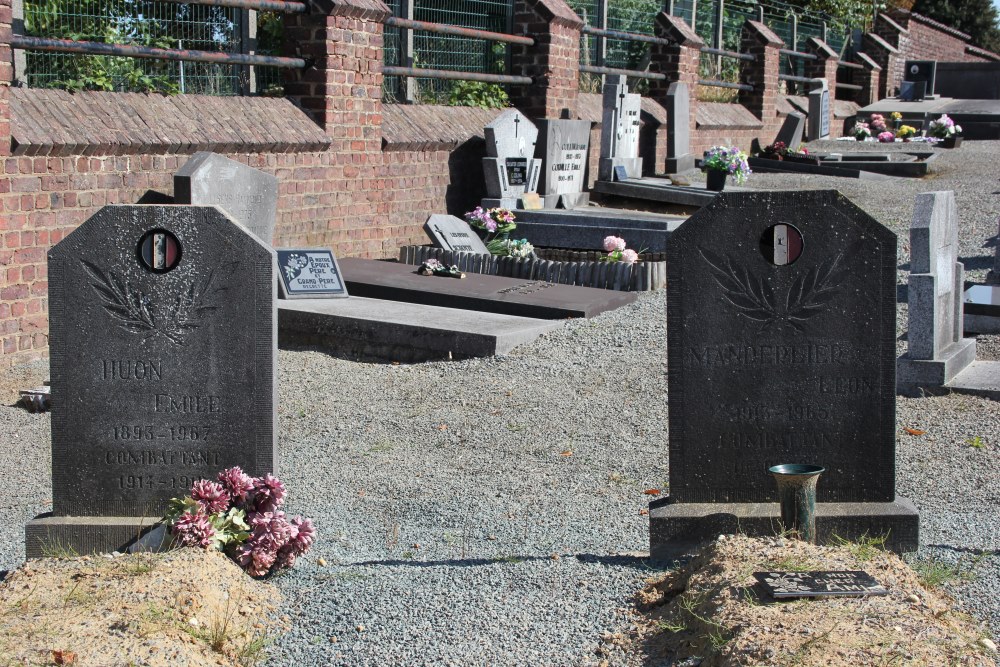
column 564, row 172
column 162, row 376
column 619, row 130
column 249, row 196
column 524, row 297
column 778, row 359
column 453, row 233
column 791, row 130
column 510, row 168
column 819, row 110
column 936, row 350
column 679, row 157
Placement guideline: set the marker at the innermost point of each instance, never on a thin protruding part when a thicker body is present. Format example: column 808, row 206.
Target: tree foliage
column 978, row 18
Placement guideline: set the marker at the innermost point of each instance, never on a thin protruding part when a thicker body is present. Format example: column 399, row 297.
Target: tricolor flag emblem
column 782, row 244
column 159, row 250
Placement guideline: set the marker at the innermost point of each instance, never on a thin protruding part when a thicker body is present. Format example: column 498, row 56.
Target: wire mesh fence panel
column 447, row 52
column 136, row 22
column 589, row 44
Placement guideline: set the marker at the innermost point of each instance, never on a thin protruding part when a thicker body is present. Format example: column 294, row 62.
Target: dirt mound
column 185, row 607
column 714, row 610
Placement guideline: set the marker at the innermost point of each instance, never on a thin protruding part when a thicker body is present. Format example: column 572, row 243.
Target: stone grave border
column 849, row 168
column 639, row 277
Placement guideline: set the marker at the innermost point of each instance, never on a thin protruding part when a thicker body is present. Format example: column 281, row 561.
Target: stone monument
column 819, row 110
column 453, row 233
column 790, row 133
column 993, row 276
column 163, row 343
column 248, row 195
column 510, row 167
column 936, row 349
column 679, row 157
column 781, row 348
column 619, row 130
column 565, row 150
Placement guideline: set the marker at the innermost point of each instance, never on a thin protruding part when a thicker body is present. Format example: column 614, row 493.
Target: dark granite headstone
column 921, row 71
column 790, row 133
column 248, row 195
column 493, row 294
column 453, row 233
column 163, row 342
column 849, row 583
column 781, row 349
column 912, row 91
column 309, row 273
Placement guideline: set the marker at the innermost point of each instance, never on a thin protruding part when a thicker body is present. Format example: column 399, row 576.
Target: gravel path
column 487, row 512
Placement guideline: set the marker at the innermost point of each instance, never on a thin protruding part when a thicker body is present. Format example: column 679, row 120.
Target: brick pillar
column 6, row 77
column 553, row 62
column 825, row 67
column 342, row 87
column 867, row 78
column 898, row 37
column 885, row 56
column 759, row 41
column 679, row 61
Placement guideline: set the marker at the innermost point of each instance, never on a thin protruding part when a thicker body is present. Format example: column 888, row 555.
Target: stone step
column 395, row 331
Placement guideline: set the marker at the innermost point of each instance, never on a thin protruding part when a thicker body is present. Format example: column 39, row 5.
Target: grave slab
column 781, row 349
column 451, row 233
column 397, row 331
column 791, row 130
column 162, row 342
column 982, row 309
column 980, row 378
column 564, row 151
column 936, row 350
column 248, row 195
column 586, row 228
column 661, row 190
column 492, row 294
column 875, row 170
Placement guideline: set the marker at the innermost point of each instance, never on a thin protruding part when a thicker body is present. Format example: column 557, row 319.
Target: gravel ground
column 487, row 512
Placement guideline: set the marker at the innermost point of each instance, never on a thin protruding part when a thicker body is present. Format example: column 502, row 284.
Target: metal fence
column 146, row 23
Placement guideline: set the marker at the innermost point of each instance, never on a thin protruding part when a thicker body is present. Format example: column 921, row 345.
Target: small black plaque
column 621, row 173
column 849, row 583
column 517, row 170
column 309, row 273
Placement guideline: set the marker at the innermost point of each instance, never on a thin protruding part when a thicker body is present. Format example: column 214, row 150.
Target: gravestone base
column 981, row 324
column 677, row 530
column 952, row 360
column 606, row 167
column 682, row 163
column 46, row 535
column 566, row 200
column 502, row 202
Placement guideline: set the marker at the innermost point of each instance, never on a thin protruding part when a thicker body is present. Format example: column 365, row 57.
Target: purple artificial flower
column 305, row 534
column 268, row 493
column 193, row 530
column 210, row 495
column 886, row 137
column 270, row 529
column 237, row 483
column 255, row 559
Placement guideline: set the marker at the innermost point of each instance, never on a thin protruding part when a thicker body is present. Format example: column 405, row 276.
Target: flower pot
column 797, row 496
column 716, row 180
column 954, row 141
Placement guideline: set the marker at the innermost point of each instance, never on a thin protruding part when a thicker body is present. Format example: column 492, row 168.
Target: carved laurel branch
column 756, row 300
column 131, row 308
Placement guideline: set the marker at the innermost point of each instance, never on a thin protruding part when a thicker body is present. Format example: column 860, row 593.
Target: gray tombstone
column 819, row 110
column 620, row 122
column 453, row 233
column 781, row 349
column 510, row 168
column 993, row 276
column 936, row 350
column 565, row 150
column 790, row 133
column 163, row 343
column 248, row 195
column 679, row 157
